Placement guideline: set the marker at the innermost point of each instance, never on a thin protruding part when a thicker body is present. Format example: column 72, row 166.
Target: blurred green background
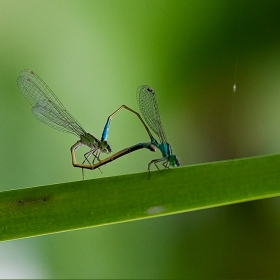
column 94, row 54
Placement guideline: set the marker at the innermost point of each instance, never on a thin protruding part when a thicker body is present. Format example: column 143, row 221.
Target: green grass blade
column 67, row 206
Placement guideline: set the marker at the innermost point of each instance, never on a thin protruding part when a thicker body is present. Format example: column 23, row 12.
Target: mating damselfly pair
column 48, row 109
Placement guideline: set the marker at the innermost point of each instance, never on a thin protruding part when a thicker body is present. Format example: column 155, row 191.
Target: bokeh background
column 94, row 54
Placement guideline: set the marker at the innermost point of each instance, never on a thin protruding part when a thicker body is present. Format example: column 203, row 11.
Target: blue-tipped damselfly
column 48, row 109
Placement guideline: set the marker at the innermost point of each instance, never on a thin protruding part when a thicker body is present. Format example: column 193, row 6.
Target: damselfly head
column 105, row 147
column 108, row 149
column 174, row 161
column 177, row 162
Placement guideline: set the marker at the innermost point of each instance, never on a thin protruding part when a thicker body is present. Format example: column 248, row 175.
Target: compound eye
column 177, row 162
column 108, row 147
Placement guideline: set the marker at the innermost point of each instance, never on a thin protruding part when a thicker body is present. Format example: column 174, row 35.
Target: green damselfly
column 48, row 109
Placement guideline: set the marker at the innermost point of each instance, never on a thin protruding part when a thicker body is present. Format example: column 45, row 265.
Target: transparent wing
column 48, row 114
column 46, row 107
column 147, row 103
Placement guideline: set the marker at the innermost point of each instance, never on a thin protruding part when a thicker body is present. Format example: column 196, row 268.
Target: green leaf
column 68, row 206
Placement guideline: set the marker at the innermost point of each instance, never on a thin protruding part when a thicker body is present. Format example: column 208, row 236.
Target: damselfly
column 48, row 109
column 147, row 103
